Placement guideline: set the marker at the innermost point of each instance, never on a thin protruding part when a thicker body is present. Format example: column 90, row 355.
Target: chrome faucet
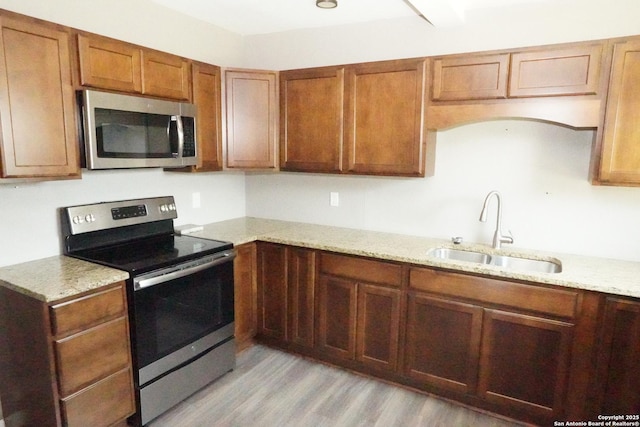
column 498, row 237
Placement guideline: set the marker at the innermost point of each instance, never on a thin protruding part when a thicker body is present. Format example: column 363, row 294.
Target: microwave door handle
column 180, row 136
column 176, row 146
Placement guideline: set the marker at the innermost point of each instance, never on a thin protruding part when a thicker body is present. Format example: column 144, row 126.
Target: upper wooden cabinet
column 547, row 71
column 251, row 106
column 360, row 118
column 208, row 100
column 311, row 112
column 470, row 77
column 37, row 101
column 114, row 65
column 384, row 118
column 620, row 145
column 556, row 72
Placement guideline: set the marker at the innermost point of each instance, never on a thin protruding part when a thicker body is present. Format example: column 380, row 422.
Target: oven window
column 172, row 314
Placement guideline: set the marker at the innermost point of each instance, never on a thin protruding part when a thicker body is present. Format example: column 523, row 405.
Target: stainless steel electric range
column 180, row 295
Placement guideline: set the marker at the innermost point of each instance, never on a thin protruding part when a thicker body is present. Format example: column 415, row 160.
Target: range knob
column 77, row 219
column 90, row 218
column 164, row 208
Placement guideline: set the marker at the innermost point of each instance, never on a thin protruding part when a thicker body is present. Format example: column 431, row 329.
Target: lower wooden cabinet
column 359, row 320
column 523, row 350
column 443, row 342
column 245, row 294
column 66, row 363
column 272, row 292
column 524, row 363
column 618, row 380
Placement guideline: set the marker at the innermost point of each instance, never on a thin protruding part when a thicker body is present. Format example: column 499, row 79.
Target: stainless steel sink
column 460, row 255
column 526, row 264
column 504, row 261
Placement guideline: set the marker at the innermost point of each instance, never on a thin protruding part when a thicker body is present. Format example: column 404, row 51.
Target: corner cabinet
column 67, row 363
column 620, row 145
column 37, row 101
column 286, row 296
column 251, row 109
column 359, row 119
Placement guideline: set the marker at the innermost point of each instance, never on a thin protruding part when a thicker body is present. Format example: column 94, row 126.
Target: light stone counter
column 54, row 278
column 598, row 274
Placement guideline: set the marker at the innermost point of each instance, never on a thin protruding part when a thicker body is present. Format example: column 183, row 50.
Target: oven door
column 182, row 312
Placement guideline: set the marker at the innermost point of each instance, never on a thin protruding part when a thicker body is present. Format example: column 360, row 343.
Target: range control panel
column 102, row 216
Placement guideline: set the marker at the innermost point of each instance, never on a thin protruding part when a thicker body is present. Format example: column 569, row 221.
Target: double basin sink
column 506, row 262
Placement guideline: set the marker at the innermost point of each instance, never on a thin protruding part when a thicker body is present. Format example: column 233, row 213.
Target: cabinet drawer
column 102, row 404
column 83, row 313
column 475, row 77
column 361, row 269
column 92, row 355
column 554, row 72
column 554, row 302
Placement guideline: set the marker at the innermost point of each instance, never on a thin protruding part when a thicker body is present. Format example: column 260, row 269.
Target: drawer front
column 83, row 313
column 102, row 404
column 554, row 302
column 361, row 269
column 90, row 356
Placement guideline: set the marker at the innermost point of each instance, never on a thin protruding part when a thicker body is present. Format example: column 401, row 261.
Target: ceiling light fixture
column 327, row 4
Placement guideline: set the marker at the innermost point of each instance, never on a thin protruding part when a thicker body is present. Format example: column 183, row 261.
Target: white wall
column 540, row 169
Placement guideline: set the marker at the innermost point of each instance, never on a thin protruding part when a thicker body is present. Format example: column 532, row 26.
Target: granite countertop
column 58, row 277
column 597, row 274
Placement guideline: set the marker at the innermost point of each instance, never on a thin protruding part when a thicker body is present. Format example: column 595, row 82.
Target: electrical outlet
column 195, row 200
column 335, row 199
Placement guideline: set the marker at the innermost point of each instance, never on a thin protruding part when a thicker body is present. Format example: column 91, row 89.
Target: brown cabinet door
column 620, row 157
column 109, row 64
column 251, row 117
column 207, row 98
column 37, row 102
column 619, row 359
column 301, row 272
column 443, row 342
column 311, row 114
column 470, row 77
column 165, row 75
column 524, row 363
column 554, row 72
column 245, row 294
column 384, row 118
column 337, row 305
column 378, row 326
column 272, row 291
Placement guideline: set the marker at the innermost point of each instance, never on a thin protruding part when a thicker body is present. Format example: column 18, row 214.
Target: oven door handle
column 176, row 274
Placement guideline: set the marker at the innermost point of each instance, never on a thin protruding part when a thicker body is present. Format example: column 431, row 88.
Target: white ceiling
column 247, row 17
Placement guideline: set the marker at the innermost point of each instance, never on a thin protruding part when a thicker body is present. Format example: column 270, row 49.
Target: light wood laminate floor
column 271, row 388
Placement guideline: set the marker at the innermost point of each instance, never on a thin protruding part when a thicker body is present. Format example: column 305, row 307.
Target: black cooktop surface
column 152, row 253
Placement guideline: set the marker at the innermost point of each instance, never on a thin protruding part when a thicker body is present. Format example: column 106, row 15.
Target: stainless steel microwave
column 124, row 131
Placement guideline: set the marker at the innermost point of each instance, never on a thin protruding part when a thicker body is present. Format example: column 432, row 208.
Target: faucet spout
column 498, row 237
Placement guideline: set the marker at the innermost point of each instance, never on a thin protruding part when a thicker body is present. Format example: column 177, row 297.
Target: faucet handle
column 508, row 238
